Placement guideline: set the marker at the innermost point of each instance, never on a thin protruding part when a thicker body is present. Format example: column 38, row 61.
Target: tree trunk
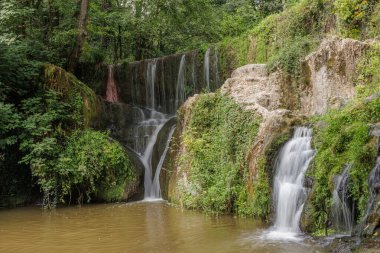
column 77, row 50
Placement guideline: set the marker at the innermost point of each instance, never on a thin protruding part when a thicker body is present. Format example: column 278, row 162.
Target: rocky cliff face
column 261, row 92
column 330, row 73
column 327, row 82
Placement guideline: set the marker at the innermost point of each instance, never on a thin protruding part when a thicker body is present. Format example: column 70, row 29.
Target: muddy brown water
column 135, row 227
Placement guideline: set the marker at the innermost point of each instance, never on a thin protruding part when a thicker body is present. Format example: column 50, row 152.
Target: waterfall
column 156, row 189
column 373, row 185
column 156, row 122
column 289, row 192
column 180, row 89
column 206, row 69
column 216, row 68
column 150, row 84
column 193, row 73
column 156, row 88
column 111, row 92
column 341, row 213
column 150, row 123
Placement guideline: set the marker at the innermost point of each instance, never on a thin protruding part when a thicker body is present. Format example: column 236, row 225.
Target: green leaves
column 95, row 164
column 9, row 122
column 217, row 141
column 345, row 139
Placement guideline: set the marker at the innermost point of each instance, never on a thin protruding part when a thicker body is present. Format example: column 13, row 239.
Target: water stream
column 180, row 89
column 289, row 193
column 146, row 133
column 341, row 212
column 373, row 183
column 206, row 68
column 216, row 68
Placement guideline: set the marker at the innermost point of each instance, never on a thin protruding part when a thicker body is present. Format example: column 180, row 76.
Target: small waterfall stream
column 150, row 85
column 146, row 133
column 341, row 212
column 180, row 89
column 289, row 193
column 216, row 68
column 206, row 68
column 156, row 189
column 373, row 185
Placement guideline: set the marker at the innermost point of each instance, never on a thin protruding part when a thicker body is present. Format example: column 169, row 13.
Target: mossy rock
column 68, row 85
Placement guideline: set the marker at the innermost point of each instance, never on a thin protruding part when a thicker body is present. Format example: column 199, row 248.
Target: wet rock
column 372, row 225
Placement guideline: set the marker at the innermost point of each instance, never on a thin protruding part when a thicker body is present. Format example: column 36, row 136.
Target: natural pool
column 135, row 227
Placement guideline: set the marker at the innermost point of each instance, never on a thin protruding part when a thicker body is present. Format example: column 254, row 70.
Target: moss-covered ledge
column 65, row 83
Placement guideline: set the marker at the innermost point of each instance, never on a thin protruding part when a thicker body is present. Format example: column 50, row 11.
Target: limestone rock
column 332, row 69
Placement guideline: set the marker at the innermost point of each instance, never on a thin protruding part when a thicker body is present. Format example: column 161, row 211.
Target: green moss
column 69, row 86
column 256, row 204
column 353, row 15
column 217, row 141
column 113, row 194
column 368, row 82
column 94, row 164
column 281, row 39
column 343, row 140
column 374, row 22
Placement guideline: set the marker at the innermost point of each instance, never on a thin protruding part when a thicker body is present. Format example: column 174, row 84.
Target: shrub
column 92, row 163
column 217, row 141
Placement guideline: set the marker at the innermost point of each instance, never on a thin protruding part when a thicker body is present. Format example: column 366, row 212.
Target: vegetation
column 92, row 163
column 217, row 141
column 343, row 139
column 40, row 144
column 281, row 40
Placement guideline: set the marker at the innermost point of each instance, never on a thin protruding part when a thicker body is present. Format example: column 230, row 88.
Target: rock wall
column 327, row 82
column 330, row 73
column 133, row 79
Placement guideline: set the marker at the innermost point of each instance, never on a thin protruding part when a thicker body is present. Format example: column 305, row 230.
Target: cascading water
column 156, row 89
column 180, row 89
column 150, row 84
column 373, row 185
column 341, row 213
column 156, row 189
column 154, row 125
column 216, row 68
column 193, row 73
column 150, row 123
column 206, row 68
column 111, row 92
column 289, row 192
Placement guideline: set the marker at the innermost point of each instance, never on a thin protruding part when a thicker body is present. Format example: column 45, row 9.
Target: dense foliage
column 41, row 105
column 92, row 163
column 217, row 141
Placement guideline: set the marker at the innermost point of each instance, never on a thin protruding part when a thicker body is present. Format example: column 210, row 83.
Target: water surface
column 135, row 228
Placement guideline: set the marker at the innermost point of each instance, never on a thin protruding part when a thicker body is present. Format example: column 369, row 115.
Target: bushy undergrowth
column 45, row 143
column 281, row 39
column 217, row 141
column 368, row 82
column 357, row 18
column 92, row 163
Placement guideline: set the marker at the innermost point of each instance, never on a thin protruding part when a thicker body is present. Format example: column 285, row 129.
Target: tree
column 77, row 50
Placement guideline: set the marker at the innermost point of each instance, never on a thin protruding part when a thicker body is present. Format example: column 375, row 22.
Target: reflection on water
column 136, row 227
